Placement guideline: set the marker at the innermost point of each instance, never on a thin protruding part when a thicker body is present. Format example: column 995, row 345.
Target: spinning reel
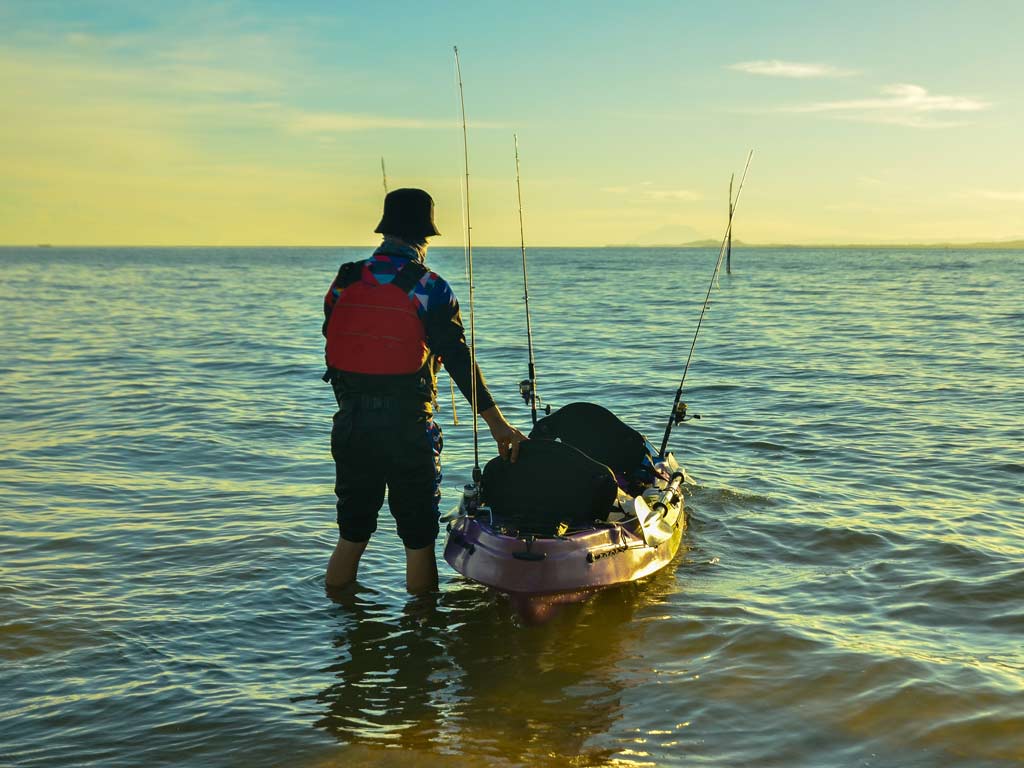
column 530, row 396
column 679, row 415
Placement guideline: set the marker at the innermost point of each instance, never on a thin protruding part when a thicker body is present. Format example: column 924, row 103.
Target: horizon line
column 1013, row 244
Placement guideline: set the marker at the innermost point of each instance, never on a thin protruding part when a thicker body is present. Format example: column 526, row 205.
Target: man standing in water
column 389, row 324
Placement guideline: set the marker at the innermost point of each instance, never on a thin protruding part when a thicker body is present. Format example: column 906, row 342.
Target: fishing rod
column 678, row 414
column 528, row 388
column 477, row 474
column 384, row 174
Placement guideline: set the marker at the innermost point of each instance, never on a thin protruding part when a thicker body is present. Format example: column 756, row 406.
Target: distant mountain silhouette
column 690, row 244
column 710, row 244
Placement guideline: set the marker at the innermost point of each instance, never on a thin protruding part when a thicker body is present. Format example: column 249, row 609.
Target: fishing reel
column 529, row 395
column 679, row 415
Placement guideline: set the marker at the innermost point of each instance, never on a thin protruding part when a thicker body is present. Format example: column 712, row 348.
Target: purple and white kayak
column 538, row 573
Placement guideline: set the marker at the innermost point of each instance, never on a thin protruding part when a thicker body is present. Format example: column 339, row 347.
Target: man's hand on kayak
column 505, row 435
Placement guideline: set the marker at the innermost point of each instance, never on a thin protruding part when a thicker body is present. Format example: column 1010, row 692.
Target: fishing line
column 678, row 414
column 459, row 180
column 469, row 265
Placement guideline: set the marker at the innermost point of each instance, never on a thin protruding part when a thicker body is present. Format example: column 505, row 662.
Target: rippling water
column 851, row 591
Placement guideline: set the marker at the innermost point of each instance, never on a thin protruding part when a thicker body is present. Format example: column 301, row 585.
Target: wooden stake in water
column 678, row 413
column 728, row 248
column 455, row 413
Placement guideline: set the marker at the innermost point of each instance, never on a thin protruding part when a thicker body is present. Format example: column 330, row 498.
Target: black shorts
column 380, row 443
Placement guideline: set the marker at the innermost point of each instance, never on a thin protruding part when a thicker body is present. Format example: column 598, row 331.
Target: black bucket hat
column 409, row 214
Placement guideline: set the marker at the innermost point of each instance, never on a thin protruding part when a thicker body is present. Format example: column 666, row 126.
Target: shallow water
column 850, row 592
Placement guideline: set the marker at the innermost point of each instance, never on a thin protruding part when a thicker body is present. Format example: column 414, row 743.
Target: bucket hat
column 409, row 214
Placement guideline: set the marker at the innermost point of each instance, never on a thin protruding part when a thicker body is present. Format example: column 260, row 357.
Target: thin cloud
column 88, row 65
column 794, row 69
column 995, row 194
column 673, row 194
column 900, row 104
column 214, row 80
column 336, row 122
column 646, row 191
column 101, row 43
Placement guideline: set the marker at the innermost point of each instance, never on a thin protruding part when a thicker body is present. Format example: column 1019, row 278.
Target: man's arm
column 505, row 435
column 447, row 337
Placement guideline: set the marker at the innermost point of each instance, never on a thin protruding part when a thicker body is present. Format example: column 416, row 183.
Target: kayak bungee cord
column 678, row 414
column 528, row 388
column 477, row 474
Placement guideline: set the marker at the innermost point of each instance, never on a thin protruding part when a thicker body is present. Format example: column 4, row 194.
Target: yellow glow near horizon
column 190, row 133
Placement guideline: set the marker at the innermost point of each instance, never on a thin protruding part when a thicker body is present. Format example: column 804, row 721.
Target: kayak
column 560, row 525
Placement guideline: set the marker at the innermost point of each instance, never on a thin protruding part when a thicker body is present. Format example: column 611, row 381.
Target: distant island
column 1009, row 245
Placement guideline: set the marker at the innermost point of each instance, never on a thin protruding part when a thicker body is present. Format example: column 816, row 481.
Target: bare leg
column 420, row 570
column 341, row 570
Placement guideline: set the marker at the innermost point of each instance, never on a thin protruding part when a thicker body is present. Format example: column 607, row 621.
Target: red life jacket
column 376, row 328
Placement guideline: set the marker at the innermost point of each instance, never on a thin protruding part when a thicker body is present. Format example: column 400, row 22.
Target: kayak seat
column 597, row 432
column 550, row 485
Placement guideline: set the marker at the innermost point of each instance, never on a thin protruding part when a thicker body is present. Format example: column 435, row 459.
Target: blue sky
column 264, row 122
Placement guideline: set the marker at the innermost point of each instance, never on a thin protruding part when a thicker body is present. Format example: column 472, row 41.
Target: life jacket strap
column 408, row 276
column 349, row 273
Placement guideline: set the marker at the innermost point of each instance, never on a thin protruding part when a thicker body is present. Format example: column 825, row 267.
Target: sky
column 265, row 122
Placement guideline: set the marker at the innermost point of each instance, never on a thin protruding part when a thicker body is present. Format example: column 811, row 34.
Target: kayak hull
column 541, row 573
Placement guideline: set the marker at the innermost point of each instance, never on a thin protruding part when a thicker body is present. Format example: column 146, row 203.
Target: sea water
column 850, row 591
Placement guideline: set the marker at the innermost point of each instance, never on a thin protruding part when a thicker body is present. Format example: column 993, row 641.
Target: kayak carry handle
column 529, row 555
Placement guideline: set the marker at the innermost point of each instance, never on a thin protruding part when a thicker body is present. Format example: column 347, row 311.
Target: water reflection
column 458, row 673
column 391, row 666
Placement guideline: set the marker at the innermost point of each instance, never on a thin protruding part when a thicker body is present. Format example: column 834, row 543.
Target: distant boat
column 44, row 245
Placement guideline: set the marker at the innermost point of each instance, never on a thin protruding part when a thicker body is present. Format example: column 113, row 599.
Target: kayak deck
column 569, row 567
